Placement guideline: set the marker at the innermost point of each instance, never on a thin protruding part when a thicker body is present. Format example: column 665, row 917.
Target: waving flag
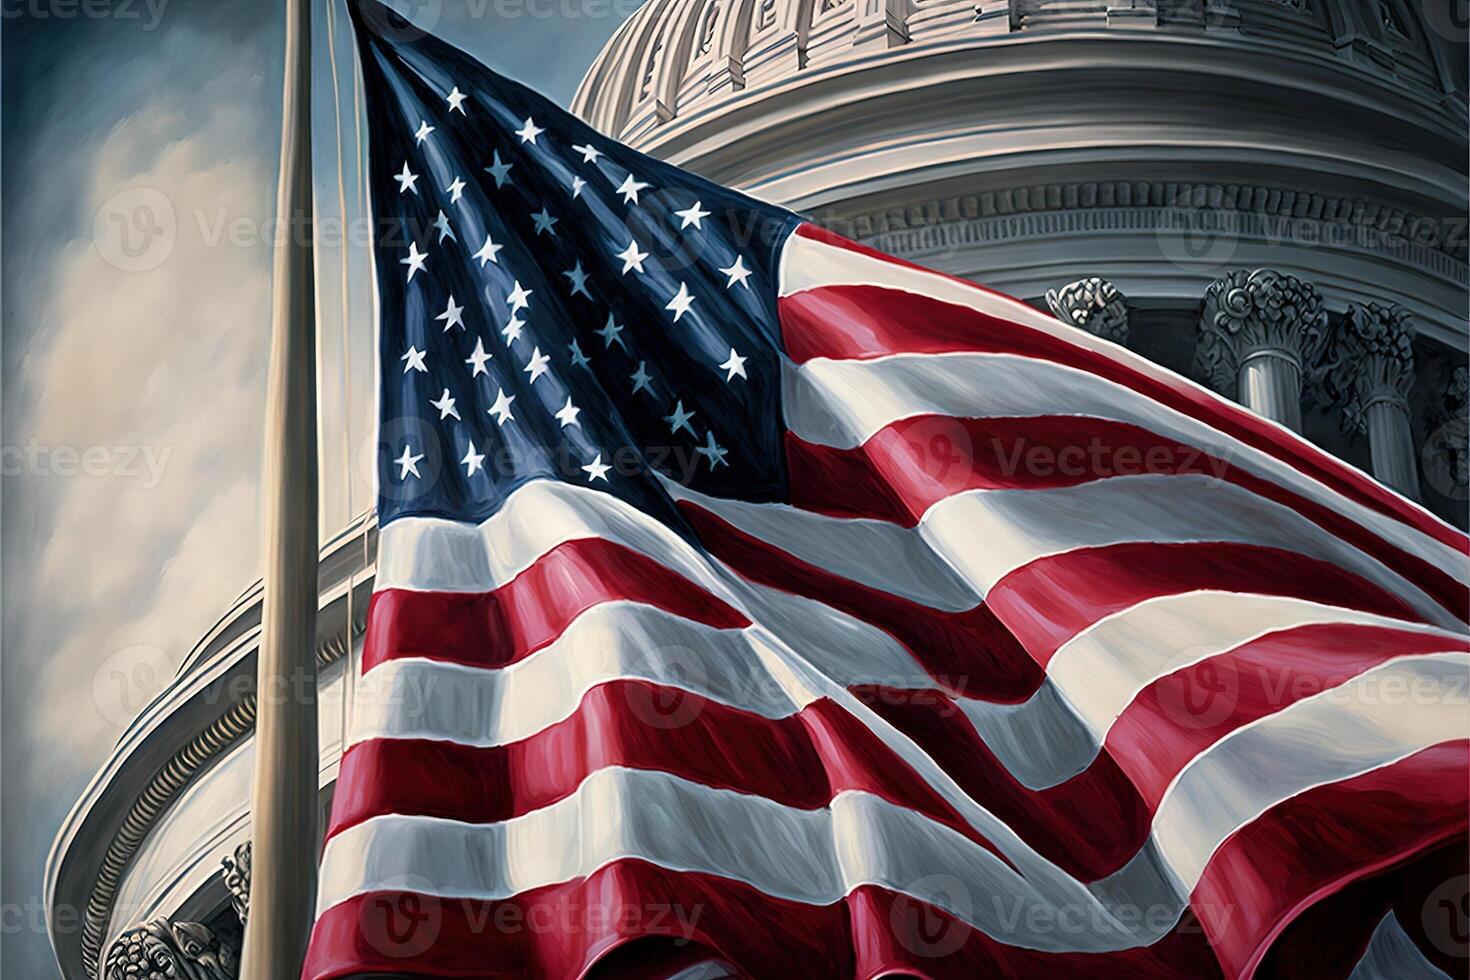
column 749, row 601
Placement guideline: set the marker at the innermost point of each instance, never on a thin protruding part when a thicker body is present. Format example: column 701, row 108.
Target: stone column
column 1092, row 304
column 1375, row 376
column 1260, row 335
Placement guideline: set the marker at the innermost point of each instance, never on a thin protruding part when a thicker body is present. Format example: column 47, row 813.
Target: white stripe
column 843, row 403
column 1373, row 720
column 416, row 698
column 810, row 856
column 817, row 856
column 434, row 554
column 967, row 543
column 808, row 264
column 1102, row 669
column 1392, row 955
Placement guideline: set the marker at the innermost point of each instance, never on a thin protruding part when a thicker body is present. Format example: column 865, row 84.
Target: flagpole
column 284, row 802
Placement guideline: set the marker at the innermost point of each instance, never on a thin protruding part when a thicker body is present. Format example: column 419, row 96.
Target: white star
column 487, row 252
column 512, row 329
column 596, row 470
column 712, row 451
column 577, row 184
column 423, row 131
column 529, row 131
column 567, row 414
column 415, row 359
column 406, row 179
column 519, row 298
column 472, row 460
column 629, row 189
column 612, row 333
column 455, row 189
column 680, row 419
column 415, row 260
column 681, row 302
column 589, row 152
column 452, row 316
column 692, row 215
column 536, row 366
column 734, row 365
column 445, row 405
column 501, row 408
column 441, row 225
column 499, row 170
column 632, row 258
column 408, row 462
column 456, row 100
column 477, row 359
column 737, row 273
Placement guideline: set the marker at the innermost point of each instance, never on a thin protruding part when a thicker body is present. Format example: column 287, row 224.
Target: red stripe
column 1178, row 716
column 905, row 468
column 570, row 929
column 496, row 628
column 802, row 761
column 859, row 321
column 969, row 652
column 1095, row 822
column 1049, row 601
column 1089, row 826
column 1315, row 844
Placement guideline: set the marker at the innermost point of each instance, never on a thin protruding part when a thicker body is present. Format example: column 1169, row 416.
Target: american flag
column 751, row 602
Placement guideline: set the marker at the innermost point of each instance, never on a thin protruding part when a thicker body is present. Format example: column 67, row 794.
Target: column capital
column 1256, row 314
column 1092, row 304
column 176, row 950
column 1375, row 361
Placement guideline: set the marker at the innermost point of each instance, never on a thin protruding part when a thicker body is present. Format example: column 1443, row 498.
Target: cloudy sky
column 139, row 155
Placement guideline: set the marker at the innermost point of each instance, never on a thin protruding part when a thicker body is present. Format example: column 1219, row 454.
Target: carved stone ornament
column 1094, row 305
column 1446, row 452
column 164, row 950
column 1255, row 314
column 1374, row 363
column 237, row 880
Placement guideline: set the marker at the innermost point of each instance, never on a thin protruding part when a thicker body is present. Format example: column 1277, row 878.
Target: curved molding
column 162, row 790
column 199, row 718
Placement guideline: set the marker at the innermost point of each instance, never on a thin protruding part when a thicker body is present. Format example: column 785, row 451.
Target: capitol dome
column 1123, row 157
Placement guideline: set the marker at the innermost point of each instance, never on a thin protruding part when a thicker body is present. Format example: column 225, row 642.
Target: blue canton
column 554, row 304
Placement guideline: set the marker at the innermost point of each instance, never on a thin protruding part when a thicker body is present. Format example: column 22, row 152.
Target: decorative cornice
column 1259, row 314
column 1375, row 362
column 1092, row 304
column 162, row 790
column 1379, row 225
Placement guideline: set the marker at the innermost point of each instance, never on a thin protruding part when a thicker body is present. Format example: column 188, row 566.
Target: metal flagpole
column 284, row 802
